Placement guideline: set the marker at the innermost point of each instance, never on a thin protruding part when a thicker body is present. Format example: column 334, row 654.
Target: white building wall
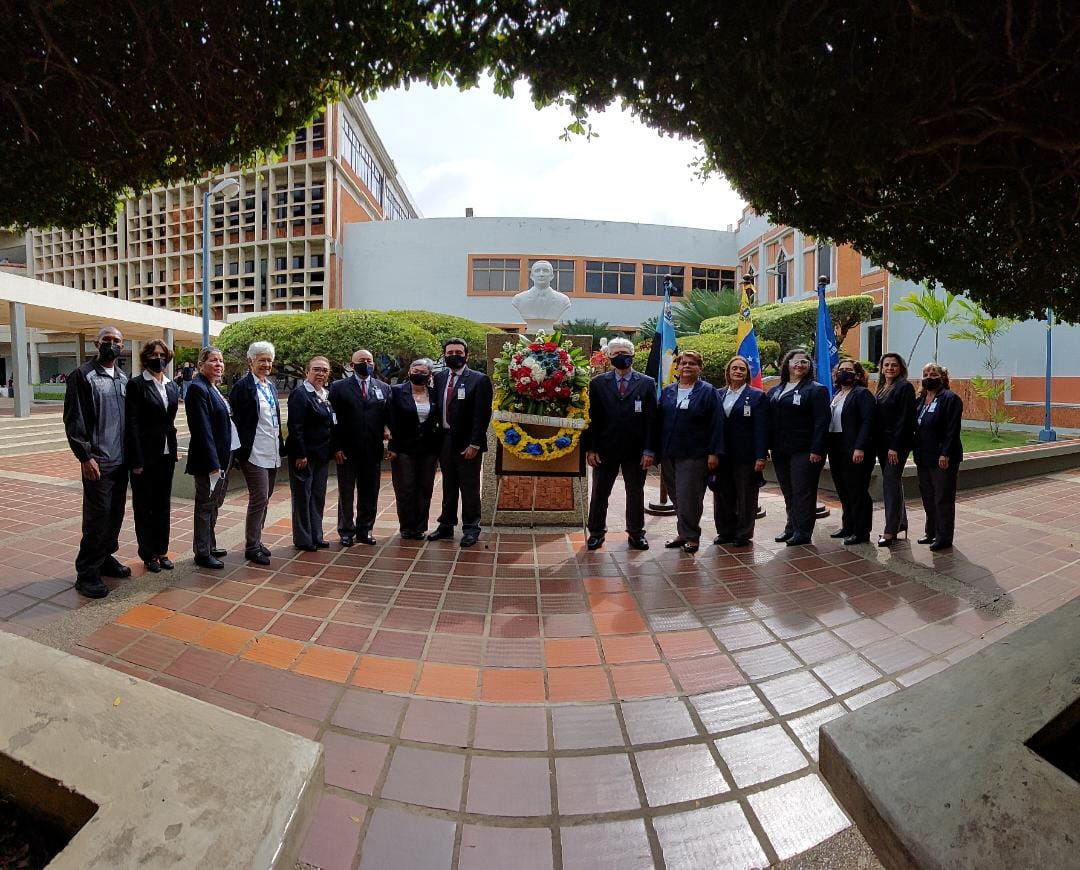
column 424, row 263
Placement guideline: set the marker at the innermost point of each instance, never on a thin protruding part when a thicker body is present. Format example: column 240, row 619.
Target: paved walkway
column 526, row 703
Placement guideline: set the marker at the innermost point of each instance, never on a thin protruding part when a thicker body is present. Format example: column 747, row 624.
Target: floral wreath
column 544, row 381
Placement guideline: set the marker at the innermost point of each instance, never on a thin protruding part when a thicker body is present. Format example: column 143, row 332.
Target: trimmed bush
column 444, row 326
column 716, row 351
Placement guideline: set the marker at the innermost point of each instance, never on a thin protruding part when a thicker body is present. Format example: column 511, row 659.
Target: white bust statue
column 540, row 306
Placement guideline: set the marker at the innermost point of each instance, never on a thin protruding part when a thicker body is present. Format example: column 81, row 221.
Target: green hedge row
column 716, row 351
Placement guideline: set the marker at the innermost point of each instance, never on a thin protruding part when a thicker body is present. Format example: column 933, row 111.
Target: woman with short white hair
column 257, row 416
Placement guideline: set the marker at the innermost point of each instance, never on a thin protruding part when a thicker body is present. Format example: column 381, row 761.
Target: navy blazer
column 799, row 428
column 407, row 434
column 688, row 433
column 468, row 417
column 937, row 429
column 857, row 421
column 743, row 435
column 894, row 424
column 210, row 426
column 311, row 421
column 150, row 426
column 619, row 426
column 360, row 422
column 244, row 399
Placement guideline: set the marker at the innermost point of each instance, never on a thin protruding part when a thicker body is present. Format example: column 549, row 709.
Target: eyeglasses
column 800, row 362
column 319, row 369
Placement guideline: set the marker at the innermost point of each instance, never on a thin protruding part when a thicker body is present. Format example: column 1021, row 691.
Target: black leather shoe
column 440, row 533
column 851, row 540
column 638, row 543
column 219, row 552
column 209, row 562
column 886, row 542
column 346, row 540
column 798, row 540
column 940, row 545
column 595, row 542
column 153, row 566
column 721, row 540
column 741, row 542
column 365, row 538
column 674, row 543
column 264, row 550
column 258, row 557
column 840, row 533
column 690, row 547
column 166, row 563
column 468, row 539
column 928, row 539
column 783, row 536
column 306, row 548
column 322, row 545
column 113, row 568
column 91, row 587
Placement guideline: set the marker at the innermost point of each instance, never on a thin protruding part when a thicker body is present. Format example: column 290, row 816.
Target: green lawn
column 979, row 439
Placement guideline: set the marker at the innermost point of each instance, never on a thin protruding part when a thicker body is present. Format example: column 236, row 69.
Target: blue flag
column 826, row 353
column 662, row 354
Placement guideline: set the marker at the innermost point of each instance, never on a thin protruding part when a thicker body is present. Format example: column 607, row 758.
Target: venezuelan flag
column 747, row 338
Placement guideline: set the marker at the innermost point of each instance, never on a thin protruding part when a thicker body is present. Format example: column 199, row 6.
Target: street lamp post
column 233, row 187
column 1047, row 433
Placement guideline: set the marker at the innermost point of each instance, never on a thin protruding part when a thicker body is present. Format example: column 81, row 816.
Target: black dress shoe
column 219, row 552
column 468, row 539
column 595, row 542
column 346, row 540
column 851, row 540
column 91, row 587
column 741, row 542
column 212, row 562
column 928, row 539
column 690, row 547
column 720, row 540
column 940, row 545
column 166, row 563
column 113, row 568
column 440, row 533
column 365, row 538
column 840, row 533
column 306, row 548
column 674, row 543
column 886, row 542
column 258, row 557
column 263, row 549
column 322, row 545
column 638, row 542
column 798, row 540
column 153, row 566
column 783, row 536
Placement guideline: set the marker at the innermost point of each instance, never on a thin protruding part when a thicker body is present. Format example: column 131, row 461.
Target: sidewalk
column 527, row 703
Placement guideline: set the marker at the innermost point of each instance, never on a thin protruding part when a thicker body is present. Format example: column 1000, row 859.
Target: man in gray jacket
column 94, row 421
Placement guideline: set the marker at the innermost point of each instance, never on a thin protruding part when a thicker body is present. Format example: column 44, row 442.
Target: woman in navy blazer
column 150, row 449
column 798, row 428
column 894, row 427
column 851, row 457
column 684, row 440
column 311, row 420
column 743, row 433
column 938, row 454
column 416, row 434
column 213, row 438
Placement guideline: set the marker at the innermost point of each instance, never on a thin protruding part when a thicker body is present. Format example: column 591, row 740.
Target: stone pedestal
column 529, row 499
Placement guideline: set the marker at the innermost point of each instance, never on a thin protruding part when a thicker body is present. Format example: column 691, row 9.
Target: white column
column 169, row 338
column 20, row 369
column 136, row 365
column 797, row 264
column 35, row 359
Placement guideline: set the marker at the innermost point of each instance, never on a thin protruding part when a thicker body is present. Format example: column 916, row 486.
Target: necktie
column 363, row 389
column 622, row 386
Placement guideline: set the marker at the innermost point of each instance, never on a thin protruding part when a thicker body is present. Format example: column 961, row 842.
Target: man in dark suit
column 360, row 403
column 621, row 406
column 465, row 398
column 94, row 420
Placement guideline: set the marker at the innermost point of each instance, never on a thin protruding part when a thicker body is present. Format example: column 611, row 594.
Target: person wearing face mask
column 851, row 460
column 311, row 420
column 894, row 426
column 938, row 454
column 360, row 402
column 415, row 438
column 465, row 412
column 94, row 420
column 152, row 401
column 622, row 403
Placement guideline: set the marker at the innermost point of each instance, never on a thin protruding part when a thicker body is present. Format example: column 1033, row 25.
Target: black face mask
column 622, row 361
column 455, row 361
column 847, row 379
column 931, row 384
column 363, row 369
column 156, row 365
column 107, row 353
column 418, row 378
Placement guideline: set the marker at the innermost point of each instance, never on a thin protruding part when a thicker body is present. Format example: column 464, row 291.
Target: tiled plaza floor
column 526, row 703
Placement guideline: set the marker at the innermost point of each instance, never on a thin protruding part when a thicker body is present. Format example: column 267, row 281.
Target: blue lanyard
column 268, row 394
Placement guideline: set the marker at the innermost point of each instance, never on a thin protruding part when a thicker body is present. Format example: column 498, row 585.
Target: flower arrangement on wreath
column 542, row 380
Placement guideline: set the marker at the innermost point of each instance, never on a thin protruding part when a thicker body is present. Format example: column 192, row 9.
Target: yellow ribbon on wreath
column 516, row 441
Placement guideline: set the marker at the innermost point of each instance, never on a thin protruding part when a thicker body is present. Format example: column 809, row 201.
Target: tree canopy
column 941, row 139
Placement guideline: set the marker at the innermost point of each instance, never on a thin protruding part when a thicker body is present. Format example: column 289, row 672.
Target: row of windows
column 356, row 154
column 781, row 269
column 607, row 277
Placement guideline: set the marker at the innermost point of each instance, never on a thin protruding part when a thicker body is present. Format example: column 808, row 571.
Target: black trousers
column 852, row 481
column 938, row 490
column 603, row 481
column 210, row 494
column 414, row 480
column 308, row 489
column 460, row 478
column 892, row 493
column 735, row 500
column 685, row 482
column 358, row 482
column 103, row 505
column 798, row 478
column 151, row 494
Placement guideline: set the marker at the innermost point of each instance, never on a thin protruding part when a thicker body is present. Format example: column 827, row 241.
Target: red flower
column 534, row 346
column 550, row 346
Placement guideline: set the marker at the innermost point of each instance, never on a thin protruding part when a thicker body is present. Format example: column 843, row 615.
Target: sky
column 504, row 158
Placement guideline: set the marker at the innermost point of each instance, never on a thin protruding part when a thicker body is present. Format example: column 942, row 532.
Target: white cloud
column 504, row 158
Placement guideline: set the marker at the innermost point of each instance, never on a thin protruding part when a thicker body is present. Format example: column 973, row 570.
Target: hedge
column 444, row 326
column 716, row 351
column 794, row 324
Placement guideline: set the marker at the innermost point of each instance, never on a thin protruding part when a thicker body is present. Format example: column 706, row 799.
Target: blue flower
column 512, row 437
column 534, row 449
column 563, row 441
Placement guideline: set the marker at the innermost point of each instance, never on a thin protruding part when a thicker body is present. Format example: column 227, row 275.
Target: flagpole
column 663, row 507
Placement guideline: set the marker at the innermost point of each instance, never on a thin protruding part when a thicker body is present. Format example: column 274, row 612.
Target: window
column 654, row 275
column 218, row 270
column 496, row 275
column 563, row 280
column 875, row 333
column 355, row 153
column 712, row 279
column 781, row 276
column 608, row 277
column 298, row 262
column 279, row 262
column 824, row 262
column 249, row 267
column 867, row 265
column 318, row 260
